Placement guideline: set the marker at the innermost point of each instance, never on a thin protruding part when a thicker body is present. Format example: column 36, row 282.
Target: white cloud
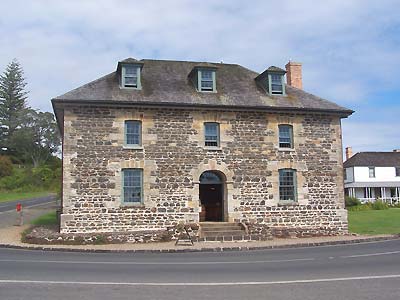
column 371, row 136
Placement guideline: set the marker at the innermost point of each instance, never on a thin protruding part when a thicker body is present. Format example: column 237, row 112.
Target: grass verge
column 47, row 219
column 11, row 196
column 375, row 221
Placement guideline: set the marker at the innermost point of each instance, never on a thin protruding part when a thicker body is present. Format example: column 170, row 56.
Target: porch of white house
column 371, row 193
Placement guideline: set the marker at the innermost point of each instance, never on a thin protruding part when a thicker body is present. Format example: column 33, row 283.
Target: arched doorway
column 212, row 196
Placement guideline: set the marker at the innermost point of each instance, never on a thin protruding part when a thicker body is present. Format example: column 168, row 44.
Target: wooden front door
column 211, row 202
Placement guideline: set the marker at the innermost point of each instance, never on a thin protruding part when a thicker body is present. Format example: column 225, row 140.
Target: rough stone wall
column 173, row 157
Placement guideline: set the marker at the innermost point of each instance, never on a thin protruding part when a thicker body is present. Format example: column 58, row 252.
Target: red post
column 21, row 216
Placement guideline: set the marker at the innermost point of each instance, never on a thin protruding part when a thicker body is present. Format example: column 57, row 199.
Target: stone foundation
column 46, row 235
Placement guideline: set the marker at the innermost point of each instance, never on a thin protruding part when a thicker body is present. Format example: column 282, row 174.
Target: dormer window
column 207, row 80
column 203, row 77
column 130, row 76
column 272, row 81
column 276, row 84
column 129, row 72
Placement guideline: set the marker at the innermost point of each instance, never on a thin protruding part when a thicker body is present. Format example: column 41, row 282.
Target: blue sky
column 350, row 50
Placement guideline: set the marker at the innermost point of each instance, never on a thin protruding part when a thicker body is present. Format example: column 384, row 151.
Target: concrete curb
column 216, row 249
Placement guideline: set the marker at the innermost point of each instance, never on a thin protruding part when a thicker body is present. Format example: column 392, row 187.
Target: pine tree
column 12, row 102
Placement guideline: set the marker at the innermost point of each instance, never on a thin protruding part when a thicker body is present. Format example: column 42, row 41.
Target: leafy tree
column 37, row 138
column 6, row 166
column 12, row 102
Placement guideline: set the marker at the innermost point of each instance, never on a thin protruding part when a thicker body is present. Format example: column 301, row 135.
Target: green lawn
column 375, row 221
column 47, row 219
column 10, row 196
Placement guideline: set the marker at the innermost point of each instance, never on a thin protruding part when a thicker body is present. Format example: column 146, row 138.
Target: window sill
column 212, row 148
column 130, row 205
column 288, row 203
column 129, row 88
column 132, row 147
column 286, row 149
column 207, row 92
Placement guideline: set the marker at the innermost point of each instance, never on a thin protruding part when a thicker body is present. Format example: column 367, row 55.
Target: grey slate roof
column 167, row 83
column 275, row 69
column 373, row 159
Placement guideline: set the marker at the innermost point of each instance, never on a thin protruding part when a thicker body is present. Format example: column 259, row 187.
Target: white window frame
column 270, row 91
column 136, row 122
column 294, row 186
column 217, row 140
column 123, row 192
column 200, row 81
column 373, row 172
column 291, row 144
column 124, row 75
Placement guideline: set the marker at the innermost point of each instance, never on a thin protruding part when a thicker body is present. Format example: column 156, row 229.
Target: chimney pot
column 293, row 74
column 349, row 152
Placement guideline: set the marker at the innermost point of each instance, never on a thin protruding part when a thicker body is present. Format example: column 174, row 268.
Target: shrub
column 42, row 175
column 13, row 182
column 351, row 201
column 362, row 207
column 6, row 166
column 379, row 205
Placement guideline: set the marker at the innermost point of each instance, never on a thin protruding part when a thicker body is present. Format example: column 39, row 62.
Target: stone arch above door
column 212, row 165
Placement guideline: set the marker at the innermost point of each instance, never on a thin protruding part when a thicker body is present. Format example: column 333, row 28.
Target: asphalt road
column 361, row 271
column 8, row 206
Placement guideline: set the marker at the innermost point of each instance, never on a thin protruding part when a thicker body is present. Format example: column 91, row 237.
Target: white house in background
column 369, row 176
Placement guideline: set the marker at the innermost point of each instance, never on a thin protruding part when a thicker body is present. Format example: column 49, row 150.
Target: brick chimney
column 293, row 74
column 349, row 152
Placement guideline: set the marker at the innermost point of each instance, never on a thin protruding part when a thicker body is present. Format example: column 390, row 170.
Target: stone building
column 157, row 143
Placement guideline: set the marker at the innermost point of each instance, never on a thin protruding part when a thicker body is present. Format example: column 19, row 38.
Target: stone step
column 218, row 224
column 223, row 233
column 226, row 228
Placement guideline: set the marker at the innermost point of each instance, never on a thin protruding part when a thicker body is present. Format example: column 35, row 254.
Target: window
column 285, row 136
column 344, row 174
column 130, row 76
column 132, row 185
column 211, row 134
column 397, row 171
column 272, row 80
column 276, row 84
column 371, row 172
column 207, row 80
column 210, row 177
column 287, row 185
column 133, row 133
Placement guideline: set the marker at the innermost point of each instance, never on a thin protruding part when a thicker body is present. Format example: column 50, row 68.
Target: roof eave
column 343, row 113
column 59, row 114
